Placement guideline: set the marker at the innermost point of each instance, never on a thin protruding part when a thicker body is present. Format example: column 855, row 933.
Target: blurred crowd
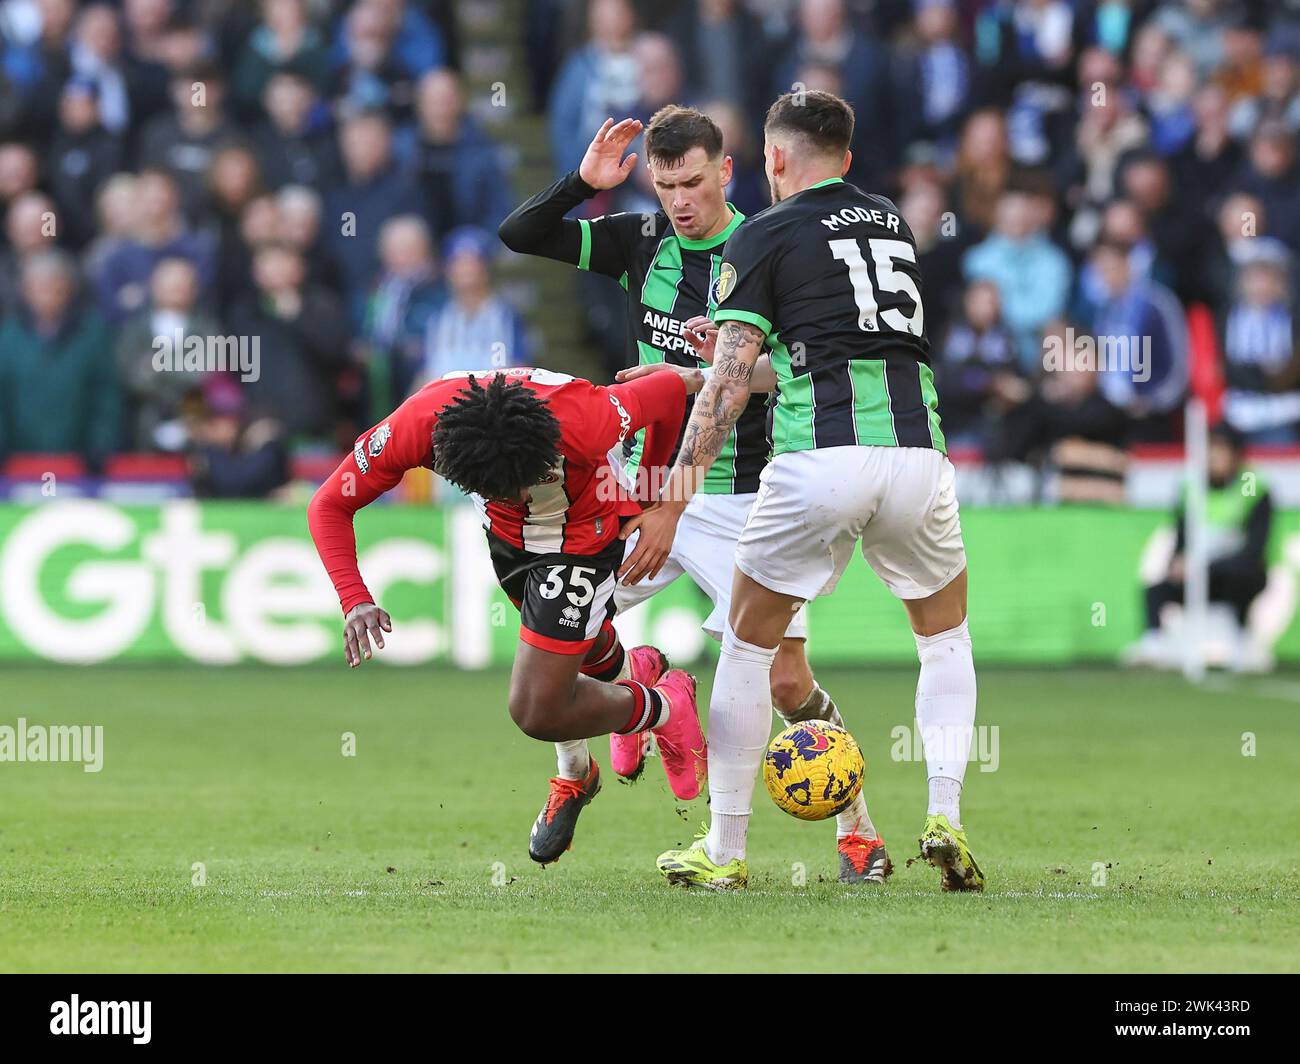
column 309, row 172
column 1077, row 173
column 299, row 171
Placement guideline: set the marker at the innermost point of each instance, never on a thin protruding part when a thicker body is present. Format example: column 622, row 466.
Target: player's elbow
column 326, row 513
column 513, row 233
column 324, row 501
column 316, row 510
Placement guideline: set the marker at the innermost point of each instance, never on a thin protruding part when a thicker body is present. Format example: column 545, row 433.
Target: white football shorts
column 815, row 506
column 705, row 550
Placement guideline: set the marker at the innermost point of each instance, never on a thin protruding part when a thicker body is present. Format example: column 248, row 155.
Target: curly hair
column 496, row 441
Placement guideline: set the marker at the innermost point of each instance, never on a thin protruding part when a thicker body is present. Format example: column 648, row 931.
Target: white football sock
column 817, row 706
column 855, row 820
column 945, row 714
column 740, row 712
column 945, row 799
column 573, row 759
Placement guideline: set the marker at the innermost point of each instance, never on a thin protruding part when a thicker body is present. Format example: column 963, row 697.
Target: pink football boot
column 627, row 752
column 682, row 746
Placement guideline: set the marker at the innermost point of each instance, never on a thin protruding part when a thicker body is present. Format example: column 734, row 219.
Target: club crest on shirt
column 378, row 438
column 724, row 284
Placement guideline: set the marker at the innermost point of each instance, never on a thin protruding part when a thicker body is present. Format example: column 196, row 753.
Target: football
column 813, row 770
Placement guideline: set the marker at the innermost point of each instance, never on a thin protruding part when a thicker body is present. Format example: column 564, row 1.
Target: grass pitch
column 1123, row 829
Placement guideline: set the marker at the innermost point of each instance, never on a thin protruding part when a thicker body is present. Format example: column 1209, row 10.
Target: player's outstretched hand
column 604, row 166
column 359, row 625
column 691, row 376
column 657, row 525
column 701, row 333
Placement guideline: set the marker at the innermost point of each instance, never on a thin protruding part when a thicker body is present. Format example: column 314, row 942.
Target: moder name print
column 102, row 1017
column 57, row 742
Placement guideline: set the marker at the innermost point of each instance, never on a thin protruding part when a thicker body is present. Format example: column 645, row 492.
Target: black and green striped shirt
column 668, row 279
column 830, row 276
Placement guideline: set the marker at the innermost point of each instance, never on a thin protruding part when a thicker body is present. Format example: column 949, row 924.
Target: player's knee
column 534, row 714
column 535, row 725
column 944, row 611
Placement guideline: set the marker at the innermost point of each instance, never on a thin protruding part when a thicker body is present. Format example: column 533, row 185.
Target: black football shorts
column 563, row 599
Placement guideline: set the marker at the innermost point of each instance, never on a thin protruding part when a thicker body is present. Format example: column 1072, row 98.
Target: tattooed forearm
column 723, row 398
column 701, row 446
column 738, row 348
column 733, row 370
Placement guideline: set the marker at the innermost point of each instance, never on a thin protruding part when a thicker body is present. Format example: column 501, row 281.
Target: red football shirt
column 577, row 511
